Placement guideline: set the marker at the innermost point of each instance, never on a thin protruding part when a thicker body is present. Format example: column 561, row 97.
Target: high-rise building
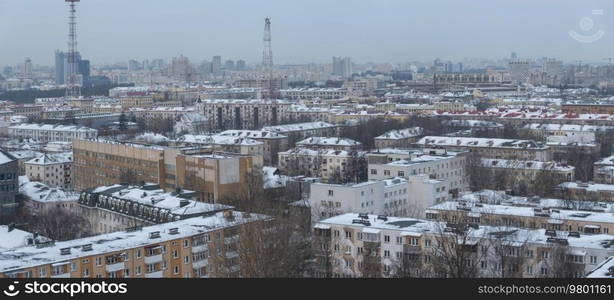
column 134, row 65
column 216, row 65
column 60, row 74
column 27, row 69
column 519, row 71
column 84, row 71
column 240, row 65
column 342, row 66
column 229, row 65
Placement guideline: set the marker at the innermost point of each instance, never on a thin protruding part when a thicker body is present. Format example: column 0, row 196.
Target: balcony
column 200, row 263
column 153, row 259
column 411, row 249
column 64, row 275
column 115, row 267
column 199, row 248
column 157, row 274
column 231, row 239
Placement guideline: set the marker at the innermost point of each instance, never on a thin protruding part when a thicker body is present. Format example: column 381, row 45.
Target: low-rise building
column 41, row 198
column 332, row 143
column 603, row 170
column 490, row 148
column 438, row 164
column 273, row 142
column 300, row 131
column 587, row 191
column 54, row 170
column 363, row 245
column 228, row 144
column 330, row 165
column 201, row 247
column 402, row 138
column 51, row 133
column 117, row 207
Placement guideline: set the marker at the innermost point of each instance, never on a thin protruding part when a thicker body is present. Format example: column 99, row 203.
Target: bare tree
column 60, row 224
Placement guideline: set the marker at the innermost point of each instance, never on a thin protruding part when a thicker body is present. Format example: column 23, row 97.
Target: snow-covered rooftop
column 299, row 127
column 254, row 134
column 50, row 127
column 218, row 140
column 30, row 256
column 51, row 159
column 328, row 141
column 478, row 142
column 40, row 192
column 401, row 134
column 526, row 164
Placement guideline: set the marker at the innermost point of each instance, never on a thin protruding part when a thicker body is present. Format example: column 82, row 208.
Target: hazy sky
column 307, row 30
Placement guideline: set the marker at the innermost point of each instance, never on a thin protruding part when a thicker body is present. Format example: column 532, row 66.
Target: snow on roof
column 299, row 127
column 218, row 140
column 40, row 192
column 479, row 142
column 401, row 134
column 604, row 270
column 591, row 187
column 25, row 154
column 328, row 141
column 50, row 159
column 160, row 199
column 254, row 134
column 525, row 164
column 526, row 211
column 30, row 256
column 6, row 157
column 416, row 226
column 472, row 123
column 323, row 152
column 566, row 127
column 606, row 161
column 15, row 238
column 152, row 138
column 50, row 127
column 272, row 180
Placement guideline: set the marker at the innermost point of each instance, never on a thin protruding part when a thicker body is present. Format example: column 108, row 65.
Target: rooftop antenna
column 73, row 90
column 267, row 56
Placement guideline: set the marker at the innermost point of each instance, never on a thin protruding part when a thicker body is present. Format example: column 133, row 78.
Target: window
column 348, row 234
column 330, row 193
column 386, row 253
column 138, row 253
column 373, row 172
column 401, row 173
column 138, row 270
column 186, row 259
column 593, row 259
column 99, row 261
column 186, row 243
column 175, row 270
column 399, row 240
column 483, row 264
column 175, row 254
column 86, row 272
column 386, row 239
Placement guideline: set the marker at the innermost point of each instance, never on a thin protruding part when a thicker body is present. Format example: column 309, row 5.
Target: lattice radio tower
column 73, row 90
column 267, row 56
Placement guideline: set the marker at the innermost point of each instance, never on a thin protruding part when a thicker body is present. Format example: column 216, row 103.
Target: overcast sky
column 308, row 30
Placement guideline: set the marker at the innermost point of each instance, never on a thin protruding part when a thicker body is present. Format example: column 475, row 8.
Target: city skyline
column 410, row 32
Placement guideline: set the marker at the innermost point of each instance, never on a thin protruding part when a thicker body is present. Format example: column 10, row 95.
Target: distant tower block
column 267, row 56
column 73, row 89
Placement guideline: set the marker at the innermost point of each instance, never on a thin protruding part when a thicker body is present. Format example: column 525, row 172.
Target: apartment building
column 54, row 170
column 136, row 101
column 402, row 138
column 603, row 170
column 490, row 148
column 51, row 133
column 9, row 185
column 229, row 144
column 587, row 191
column 332, row 143
column 519, row 176
column 533, row 216
column 313, row 93
column 438, row 164
column 299, row 131
column 395, row 197
column 243, row 114
column 364, row 245
column 215, row 176
column 588, row 108
column 273, row 142
column 200, row 247
column 332, row 165
column 41, row 198
column 118, row 207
